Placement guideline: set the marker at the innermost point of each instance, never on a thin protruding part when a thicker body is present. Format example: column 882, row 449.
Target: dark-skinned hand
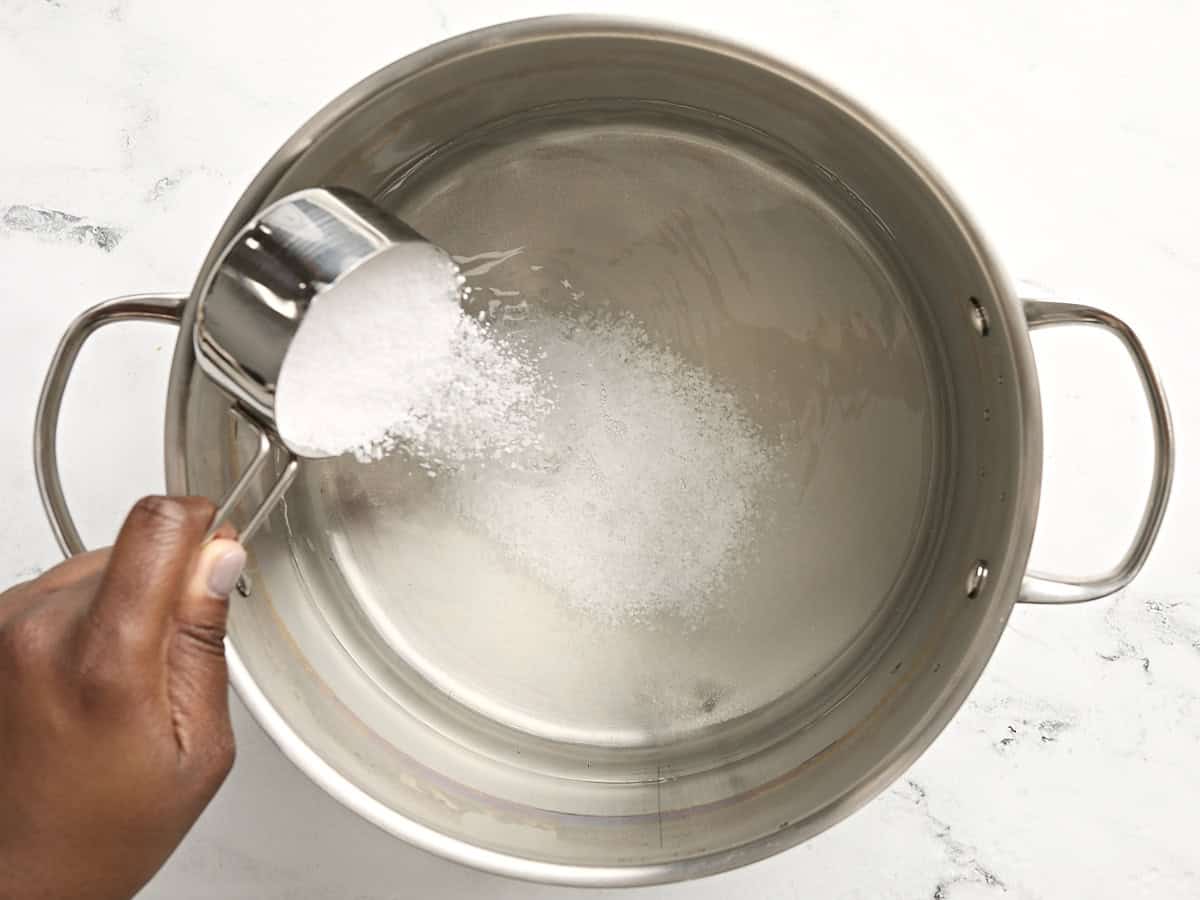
column 114, row 716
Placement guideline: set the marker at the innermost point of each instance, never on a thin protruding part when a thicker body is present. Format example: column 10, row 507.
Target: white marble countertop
column 1070, row 129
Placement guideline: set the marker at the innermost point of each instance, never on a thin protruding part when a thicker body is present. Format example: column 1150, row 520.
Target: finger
column 147, row 572
column 198, row 676
column 81, row 572
column 74, row 570
column 15, row 601
column 226, row 531
column 204, row 606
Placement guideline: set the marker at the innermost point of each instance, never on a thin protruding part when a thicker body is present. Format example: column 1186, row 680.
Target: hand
column 114, row 716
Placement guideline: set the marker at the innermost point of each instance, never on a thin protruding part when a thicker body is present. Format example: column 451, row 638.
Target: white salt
column 601, row 463
column 387, row 361
column 643, row 498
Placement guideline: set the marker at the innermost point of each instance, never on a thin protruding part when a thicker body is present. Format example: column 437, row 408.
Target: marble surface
column 131, row 126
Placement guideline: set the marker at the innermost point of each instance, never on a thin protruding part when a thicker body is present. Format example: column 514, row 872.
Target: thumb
column 204, row 606
column 197, row 662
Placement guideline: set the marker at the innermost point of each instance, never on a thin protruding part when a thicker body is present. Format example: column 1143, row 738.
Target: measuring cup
column 249, row 310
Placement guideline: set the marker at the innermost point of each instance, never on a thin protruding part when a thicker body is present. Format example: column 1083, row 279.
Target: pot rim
column 1006, row 577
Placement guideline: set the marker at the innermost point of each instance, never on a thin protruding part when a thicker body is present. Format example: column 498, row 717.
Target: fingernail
column 225, row 572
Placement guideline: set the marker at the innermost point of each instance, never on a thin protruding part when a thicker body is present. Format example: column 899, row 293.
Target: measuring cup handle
column 237, row 493
column 166, row 308
column 1040, row 588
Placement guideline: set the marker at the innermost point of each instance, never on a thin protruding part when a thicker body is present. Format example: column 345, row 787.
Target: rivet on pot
column 976, row 578
column 979, row 318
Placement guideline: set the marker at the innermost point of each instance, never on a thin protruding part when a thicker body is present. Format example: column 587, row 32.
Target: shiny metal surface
column 1041, row 588
column 134, row 308
column 767, row 228
column 761, row 225
column 295, row 250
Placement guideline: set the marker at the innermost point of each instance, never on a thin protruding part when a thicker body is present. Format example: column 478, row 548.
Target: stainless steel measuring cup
column 249, row 310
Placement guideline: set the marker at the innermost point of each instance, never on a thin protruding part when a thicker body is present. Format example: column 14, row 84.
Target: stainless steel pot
column 765, row 227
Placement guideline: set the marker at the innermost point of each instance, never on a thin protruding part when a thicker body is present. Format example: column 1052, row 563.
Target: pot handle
column 1041, row 588
column 166, row 308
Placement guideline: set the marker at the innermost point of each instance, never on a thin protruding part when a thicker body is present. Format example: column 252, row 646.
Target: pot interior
column 443, row 645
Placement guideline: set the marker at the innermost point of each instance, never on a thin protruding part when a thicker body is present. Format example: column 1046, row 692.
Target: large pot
column 765, row 227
